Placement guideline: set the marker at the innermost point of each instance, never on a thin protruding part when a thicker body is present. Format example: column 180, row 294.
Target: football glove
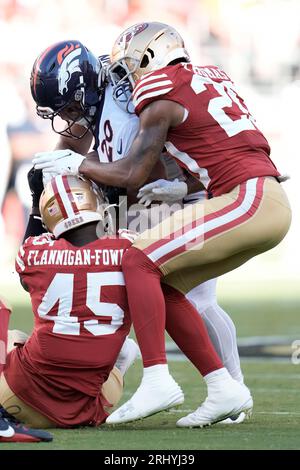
column 35, row 181
column 162, row 190
column 58, row 162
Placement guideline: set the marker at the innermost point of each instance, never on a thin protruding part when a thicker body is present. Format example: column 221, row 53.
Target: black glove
column 113, row 194
column 35, row 181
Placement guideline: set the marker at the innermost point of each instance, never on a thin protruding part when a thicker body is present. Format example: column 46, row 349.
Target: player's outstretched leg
column 192, row 338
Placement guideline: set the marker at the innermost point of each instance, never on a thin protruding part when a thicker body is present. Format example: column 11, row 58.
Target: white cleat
column 151, row 397
column 219, row 405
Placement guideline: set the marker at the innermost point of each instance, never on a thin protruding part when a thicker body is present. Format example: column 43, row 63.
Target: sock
column 4, row 319
column 188, row 330
column 217, row 375
column 146, row 304
column 157, row 371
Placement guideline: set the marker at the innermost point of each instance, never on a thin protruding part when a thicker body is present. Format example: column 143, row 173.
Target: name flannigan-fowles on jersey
column 117, row 130
column 218, row 141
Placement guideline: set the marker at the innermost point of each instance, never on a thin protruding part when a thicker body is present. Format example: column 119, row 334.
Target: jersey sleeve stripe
column 151, row 86
column 163, row 91
column 149, row 79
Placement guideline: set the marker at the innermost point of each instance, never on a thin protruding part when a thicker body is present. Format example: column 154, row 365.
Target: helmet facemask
column 121, row 78
column 73, row 112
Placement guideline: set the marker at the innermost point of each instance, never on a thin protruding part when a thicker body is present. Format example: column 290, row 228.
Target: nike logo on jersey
column 120, row 147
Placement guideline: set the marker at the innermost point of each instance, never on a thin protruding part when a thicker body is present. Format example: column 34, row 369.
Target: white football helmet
column 143, row 48
column 68, row 202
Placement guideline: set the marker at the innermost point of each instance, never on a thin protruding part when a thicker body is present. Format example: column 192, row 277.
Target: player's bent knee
column 129, row 259
column 21, row 410
column 112, row 389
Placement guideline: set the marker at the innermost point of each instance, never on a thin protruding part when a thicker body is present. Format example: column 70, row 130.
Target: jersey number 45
column 61, row 290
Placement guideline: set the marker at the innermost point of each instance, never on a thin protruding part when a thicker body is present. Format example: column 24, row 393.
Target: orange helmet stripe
column 37, row 64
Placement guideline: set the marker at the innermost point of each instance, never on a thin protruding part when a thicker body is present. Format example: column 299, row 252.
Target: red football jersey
column 218, row 142
column 81, row 314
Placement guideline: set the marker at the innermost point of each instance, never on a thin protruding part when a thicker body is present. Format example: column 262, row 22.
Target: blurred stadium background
column 257, row 42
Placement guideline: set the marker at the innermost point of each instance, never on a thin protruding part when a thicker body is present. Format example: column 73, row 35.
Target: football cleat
column 149, row 399
column 5, row 429
column 12, row 430
column 219, row 405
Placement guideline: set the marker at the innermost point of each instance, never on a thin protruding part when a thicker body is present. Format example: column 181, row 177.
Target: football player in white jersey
column 98, row 116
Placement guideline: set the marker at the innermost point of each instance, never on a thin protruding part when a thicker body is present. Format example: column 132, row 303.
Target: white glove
column 58, row 162
column 162, row 190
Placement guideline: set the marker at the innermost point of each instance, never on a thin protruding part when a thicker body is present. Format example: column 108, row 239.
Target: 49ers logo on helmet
column 131, row 32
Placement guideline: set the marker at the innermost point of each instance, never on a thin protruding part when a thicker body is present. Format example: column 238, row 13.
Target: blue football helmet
column 68, row 81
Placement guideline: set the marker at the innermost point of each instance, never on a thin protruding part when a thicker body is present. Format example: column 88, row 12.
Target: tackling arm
column 134, row 170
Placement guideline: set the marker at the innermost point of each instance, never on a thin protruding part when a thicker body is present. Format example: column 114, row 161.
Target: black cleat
column 12, row 430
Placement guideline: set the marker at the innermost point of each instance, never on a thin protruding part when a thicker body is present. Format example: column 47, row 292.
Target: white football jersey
column 117, row 129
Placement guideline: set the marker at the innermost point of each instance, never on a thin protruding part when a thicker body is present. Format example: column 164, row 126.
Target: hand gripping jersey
column 218, row 142
column 81, row 315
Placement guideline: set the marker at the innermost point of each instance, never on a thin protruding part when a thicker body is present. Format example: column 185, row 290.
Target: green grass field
column 275, row 423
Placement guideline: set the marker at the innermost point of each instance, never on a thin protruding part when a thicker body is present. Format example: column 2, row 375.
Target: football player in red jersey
column 205, row 125
column 63, row 374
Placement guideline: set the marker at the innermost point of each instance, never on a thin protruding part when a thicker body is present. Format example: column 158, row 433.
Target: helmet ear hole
column 145, row 62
